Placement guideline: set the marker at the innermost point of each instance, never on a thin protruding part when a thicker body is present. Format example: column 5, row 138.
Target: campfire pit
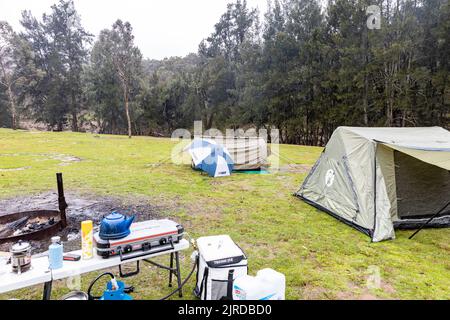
column 36, row 224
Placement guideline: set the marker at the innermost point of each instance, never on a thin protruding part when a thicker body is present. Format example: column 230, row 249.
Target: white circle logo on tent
column 329, row 178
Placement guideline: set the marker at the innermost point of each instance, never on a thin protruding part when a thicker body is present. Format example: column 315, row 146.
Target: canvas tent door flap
column 380, row 179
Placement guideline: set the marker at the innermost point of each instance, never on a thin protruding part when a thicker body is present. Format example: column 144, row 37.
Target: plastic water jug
column 267, row 285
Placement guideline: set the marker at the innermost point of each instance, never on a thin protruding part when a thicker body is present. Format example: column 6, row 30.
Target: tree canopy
column 304, row 68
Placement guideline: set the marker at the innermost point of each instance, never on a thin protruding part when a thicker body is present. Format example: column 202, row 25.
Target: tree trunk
column 13, row 108
column 74, row 113
column 366, row 79
column 209, row 121
column 127, row 111
column 74, row 121
column 387, row 93
column 366, row 100
column 209, row 115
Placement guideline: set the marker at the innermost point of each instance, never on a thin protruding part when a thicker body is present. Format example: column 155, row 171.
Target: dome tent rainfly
column 379, row 179
column 210, row 157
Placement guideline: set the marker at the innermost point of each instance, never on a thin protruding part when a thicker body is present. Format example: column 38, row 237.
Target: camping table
column 40, row 273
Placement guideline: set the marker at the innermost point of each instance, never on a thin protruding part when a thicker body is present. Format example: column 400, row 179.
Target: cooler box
column 220, row 262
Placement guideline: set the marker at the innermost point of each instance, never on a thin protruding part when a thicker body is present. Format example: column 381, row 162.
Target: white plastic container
column 267, row 285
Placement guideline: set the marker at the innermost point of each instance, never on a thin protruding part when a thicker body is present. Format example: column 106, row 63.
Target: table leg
column 47, row 291
column 177, row 262
column 171, row 269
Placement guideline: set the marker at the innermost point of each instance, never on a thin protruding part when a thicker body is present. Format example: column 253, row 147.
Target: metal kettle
column 115, row 226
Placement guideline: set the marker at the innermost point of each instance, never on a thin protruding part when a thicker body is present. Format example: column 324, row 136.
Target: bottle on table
column 55, row 253
column 87, row 239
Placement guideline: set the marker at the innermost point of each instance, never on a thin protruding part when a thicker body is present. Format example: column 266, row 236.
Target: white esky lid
column 218, row 247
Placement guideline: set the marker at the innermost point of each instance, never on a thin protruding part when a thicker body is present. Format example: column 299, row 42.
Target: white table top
column 40, row 272
column 73, row 268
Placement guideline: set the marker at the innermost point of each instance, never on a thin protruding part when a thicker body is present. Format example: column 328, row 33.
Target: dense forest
column 304, row 67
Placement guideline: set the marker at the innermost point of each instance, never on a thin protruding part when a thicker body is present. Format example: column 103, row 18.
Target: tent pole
column 429, row 220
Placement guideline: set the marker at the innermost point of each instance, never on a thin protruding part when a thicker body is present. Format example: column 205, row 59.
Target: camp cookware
column 144, row 238
column 115, row 226
column 20, row 256
column 75, row 295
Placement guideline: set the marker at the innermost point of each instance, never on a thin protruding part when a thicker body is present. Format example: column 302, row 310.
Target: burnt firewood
column 14, row 225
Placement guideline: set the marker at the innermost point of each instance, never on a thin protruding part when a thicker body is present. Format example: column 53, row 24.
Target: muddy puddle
column 80, row 208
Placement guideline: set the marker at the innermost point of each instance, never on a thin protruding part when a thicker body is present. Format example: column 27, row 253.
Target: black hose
column 184, row 281
column 91, row 297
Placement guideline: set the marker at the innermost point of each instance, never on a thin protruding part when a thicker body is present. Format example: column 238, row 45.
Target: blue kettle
column 115, row 226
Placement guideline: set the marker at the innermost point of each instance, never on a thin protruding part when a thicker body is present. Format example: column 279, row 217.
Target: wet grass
column 321, row 257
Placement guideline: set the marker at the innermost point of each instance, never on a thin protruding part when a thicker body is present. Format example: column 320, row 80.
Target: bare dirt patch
column 81, row 207
column 365, row 293
column 65, row 159
column 310, row 292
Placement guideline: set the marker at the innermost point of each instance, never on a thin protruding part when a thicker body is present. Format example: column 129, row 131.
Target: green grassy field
column 321, row 257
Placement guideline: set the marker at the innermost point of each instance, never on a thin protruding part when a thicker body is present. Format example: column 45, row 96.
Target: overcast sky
column 163, row 28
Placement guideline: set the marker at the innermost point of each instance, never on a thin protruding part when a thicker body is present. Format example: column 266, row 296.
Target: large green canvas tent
column 378, row 179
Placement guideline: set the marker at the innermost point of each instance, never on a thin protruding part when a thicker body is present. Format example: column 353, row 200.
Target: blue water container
column 55, row 253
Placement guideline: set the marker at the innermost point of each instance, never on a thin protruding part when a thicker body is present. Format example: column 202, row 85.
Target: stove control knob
column 163, row 241
column 127, row 249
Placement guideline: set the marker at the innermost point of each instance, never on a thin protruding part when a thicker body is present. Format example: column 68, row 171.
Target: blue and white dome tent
column 210, row 157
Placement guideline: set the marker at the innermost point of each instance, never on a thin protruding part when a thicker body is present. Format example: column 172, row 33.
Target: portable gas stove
column 145, row 238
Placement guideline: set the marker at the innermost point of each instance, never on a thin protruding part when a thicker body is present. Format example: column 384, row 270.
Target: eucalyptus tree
column 221, row 61
column 127, row 61
column 69, row 40
column 8, row 74
column 59, row 50
column 309, row 67
column 103, row 88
